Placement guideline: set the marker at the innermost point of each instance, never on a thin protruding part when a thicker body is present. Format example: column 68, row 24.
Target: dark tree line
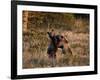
column 55, row 20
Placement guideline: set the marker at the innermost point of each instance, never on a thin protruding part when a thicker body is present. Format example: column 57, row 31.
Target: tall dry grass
column 35, row 50
column 35, row 43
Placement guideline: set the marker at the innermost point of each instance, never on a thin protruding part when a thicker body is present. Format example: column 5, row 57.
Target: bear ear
column 52, row 30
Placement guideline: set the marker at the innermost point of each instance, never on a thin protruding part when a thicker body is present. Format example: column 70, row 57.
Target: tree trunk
column 25, row 23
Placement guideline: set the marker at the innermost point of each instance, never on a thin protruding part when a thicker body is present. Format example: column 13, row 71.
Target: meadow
column 35, row 39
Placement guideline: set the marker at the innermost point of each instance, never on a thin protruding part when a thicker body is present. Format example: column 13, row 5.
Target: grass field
column 36, row 40
column 35, row 50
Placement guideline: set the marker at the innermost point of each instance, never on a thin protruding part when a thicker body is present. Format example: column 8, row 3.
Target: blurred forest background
column 75, row 26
